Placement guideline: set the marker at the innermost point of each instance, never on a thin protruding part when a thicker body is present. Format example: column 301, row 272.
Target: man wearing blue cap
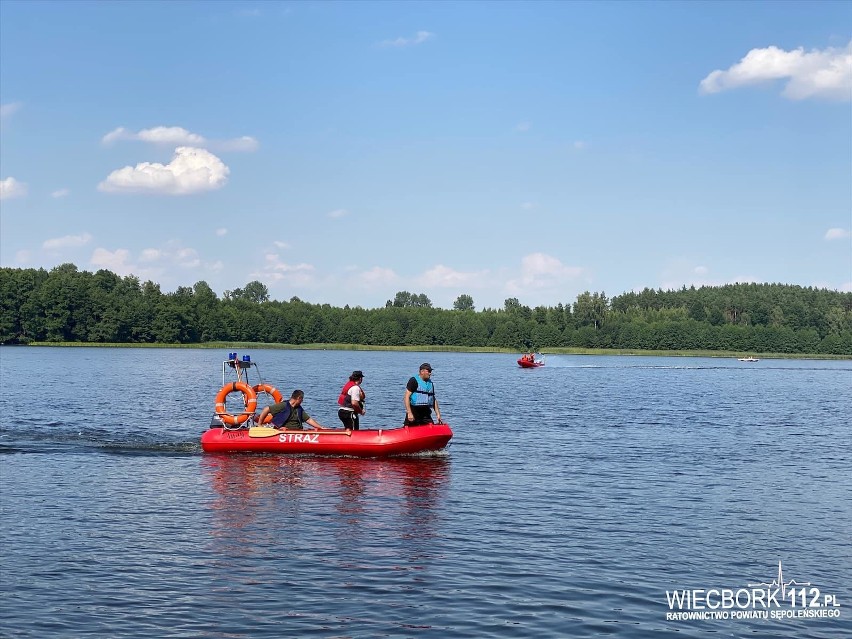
column 420, row 398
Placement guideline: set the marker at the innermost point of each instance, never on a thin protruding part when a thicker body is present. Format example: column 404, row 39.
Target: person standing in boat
column 420, row 398
column 351, row 401
column 289, row 415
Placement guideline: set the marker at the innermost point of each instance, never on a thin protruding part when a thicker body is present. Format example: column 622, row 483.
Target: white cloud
column 837, row 234
column 67, row 241
column 12, row 188
column 701, row 270
column 579, row 145
column 281, row 245
column 244, row 144
column 191, row 170
column 442, row 276
column 276, row 270
column 221, row 232
column 60, row 193
column 115, row 261
column 187, row 258
column 9, row 109
column 419, row 38
column 527, row 205
column 541, row 271
column 338, row 213
column 377, row 277
column 150, row 255
column 523, row 127
column 22, row 257
column 178, row 136
column 156, row 264
column 818, row 73
column 168, row 135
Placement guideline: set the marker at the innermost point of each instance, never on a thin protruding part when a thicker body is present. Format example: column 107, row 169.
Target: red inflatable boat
column 357, row 443
column 236, row 431
column 530, row 361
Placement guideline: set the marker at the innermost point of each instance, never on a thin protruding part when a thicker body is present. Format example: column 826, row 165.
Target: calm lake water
column 572, row 498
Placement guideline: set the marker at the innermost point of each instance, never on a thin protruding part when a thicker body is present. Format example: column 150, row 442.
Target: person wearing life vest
column 420, row 398
column 289, row 415
column 351, row 401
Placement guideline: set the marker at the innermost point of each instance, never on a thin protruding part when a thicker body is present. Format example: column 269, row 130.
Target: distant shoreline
column 563, row 350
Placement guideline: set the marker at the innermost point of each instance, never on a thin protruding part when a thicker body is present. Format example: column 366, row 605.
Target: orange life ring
column 269, row 389
column 250, row 399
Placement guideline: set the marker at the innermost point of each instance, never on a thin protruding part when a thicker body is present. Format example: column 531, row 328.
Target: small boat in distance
column 748, row 359
column 529, row 360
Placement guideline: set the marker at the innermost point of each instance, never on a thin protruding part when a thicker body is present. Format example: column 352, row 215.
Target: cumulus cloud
column 701, row 270
column 276, row 270
column 338, row 213
column 187, row 258
column 67, row 241
column 442, row 276
column 60, row 193
column 156, row 264
column 115, row 261
column 419, row 38
column 221, row 232
column 12, row 188
column 825, row 73
column 176, row 135
column 541, row 271
column 150, row 255
column 377, row 277
column 191, row 170
column 523, row 127
column 837, row 234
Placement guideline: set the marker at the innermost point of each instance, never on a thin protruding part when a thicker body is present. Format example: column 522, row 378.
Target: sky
column 343, row 151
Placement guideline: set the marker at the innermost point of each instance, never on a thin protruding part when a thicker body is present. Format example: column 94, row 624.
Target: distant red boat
column 530, row 361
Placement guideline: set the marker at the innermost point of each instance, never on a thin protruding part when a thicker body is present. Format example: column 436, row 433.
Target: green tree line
column 65, row 304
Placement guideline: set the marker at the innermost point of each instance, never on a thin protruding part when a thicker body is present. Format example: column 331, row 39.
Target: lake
column 574, row 501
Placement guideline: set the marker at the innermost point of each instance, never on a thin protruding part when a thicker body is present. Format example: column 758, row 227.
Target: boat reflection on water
column 254, row 497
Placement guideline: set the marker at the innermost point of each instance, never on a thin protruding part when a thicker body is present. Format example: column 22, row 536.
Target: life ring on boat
column 249, row 397
column 269, row 389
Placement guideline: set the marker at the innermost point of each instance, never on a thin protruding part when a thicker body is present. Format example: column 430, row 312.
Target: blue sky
column 341, row 152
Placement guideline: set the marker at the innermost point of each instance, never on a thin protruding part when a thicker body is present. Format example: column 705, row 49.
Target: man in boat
column 420, row 398
column 351, row 401
column 289, row 415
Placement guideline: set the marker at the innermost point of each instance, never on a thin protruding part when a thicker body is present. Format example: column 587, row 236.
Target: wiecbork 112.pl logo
column 776, row 599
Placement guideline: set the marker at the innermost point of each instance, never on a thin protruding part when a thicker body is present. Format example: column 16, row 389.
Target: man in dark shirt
column 289, row 415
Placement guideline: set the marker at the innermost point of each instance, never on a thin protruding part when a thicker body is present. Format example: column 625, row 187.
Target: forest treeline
column 65, row 304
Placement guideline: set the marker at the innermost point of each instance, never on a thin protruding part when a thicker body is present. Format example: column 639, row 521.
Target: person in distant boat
column 351, row 401
column 420, row 398
column 289, row 415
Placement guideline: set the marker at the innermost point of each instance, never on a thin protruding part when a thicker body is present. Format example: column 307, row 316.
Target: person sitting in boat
column 289, row 415
column 420, row 398
column 351, row 401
